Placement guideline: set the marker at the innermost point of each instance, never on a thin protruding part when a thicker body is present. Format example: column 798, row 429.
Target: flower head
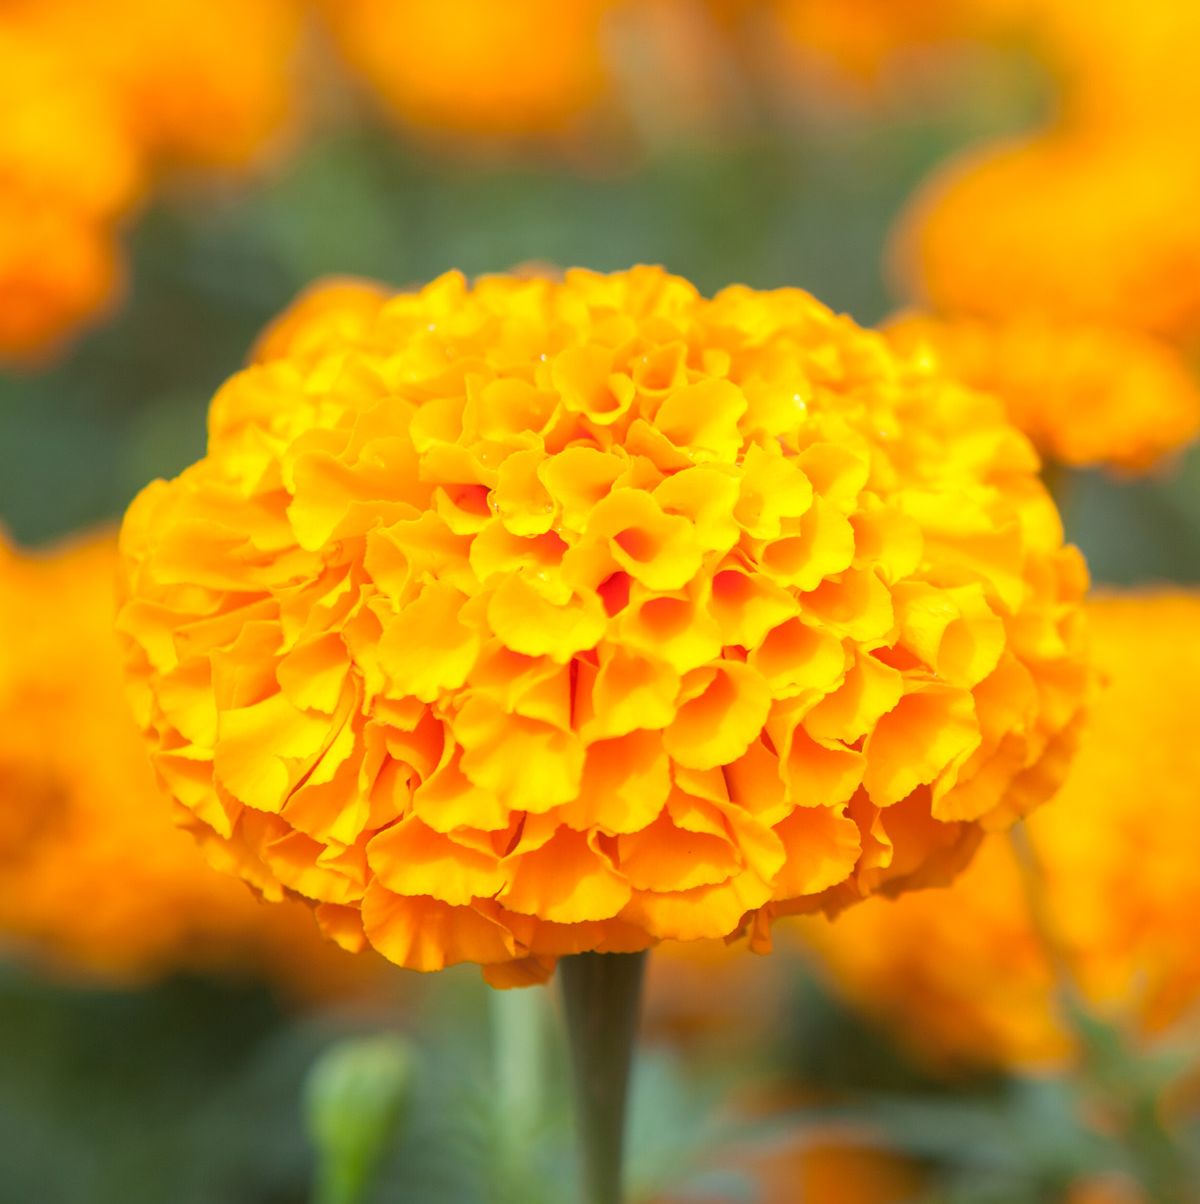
column 197, row 82
column 96, row 95
column 831, row 1165
column 865, row 38
column 474, row 66
column 542, row 616
column 1086, row 395
column 67, row 172
column 1079, row 228
column 94, row 874
column 1127, row 69
column 965, row 974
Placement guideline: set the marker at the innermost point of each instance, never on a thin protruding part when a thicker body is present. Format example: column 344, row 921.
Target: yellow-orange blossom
column 513, row 621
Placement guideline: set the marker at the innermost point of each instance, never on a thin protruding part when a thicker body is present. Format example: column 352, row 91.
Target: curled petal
column 929, row 732
column 566, row 881
column 719, row 723
column 430, row 650
column 528, row 622
column 528, row 764
column 427, row 934
column 411, row 859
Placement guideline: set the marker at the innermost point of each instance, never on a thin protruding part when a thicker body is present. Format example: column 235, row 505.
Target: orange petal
column 412, row 859
column 565, row 881
column 718, row 725
column 426, row 934
column 528, row 622
column 822, row 846
column 527, row 764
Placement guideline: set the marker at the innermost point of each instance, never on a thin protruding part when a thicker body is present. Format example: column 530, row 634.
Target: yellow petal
column 529, row 765
column 822, row 846
column 719, row 724
column 427, row 649
column 927, row 733
column 528, row 622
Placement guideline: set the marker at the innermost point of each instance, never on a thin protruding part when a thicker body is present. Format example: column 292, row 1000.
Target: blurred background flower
column 1088, row 396
column 1008, row 185
column 68, row 172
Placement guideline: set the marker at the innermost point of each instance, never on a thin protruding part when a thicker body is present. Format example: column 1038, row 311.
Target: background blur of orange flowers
column 1009, row 188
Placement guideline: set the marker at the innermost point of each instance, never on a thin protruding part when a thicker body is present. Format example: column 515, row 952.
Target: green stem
column 1155, row 1153
column 339, row 1184
column 1107, row 1065
column 1033, row 884
column 601, row 995
column 518, row 1035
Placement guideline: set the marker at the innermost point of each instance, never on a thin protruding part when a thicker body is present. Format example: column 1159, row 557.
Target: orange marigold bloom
column 964, row 974
column 67, row 172
column 865, row 37
column 552, row 616
column 94, row 874
column 1092, row 229
column 1128, row 69
column 709, row 992
column 206, row 82
column 835, row 1168
column 474, row 66
column 830, row 1165
column 1085, row 395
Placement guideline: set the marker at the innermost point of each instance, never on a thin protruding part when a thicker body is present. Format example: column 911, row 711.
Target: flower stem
column 518, row 1040
column 601, row 995
column 1107, row 1066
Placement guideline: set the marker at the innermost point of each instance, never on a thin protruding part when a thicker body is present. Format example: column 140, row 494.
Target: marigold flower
column 865, row 37
column 207, row 82
column 67, row 172
column 828, row 1165
column 551, row 616
column 709, row 993
column 964, row 974
column 476, row 67
column 833, row 1167
column 1127, row 69
column 1081, row 228
column 1085, row 395
column 94, row 874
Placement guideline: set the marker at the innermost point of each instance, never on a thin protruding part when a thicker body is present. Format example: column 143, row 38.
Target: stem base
column 601, row 997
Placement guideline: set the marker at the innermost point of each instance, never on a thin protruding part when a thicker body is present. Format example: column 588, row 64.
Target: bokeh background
column 174, row 172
